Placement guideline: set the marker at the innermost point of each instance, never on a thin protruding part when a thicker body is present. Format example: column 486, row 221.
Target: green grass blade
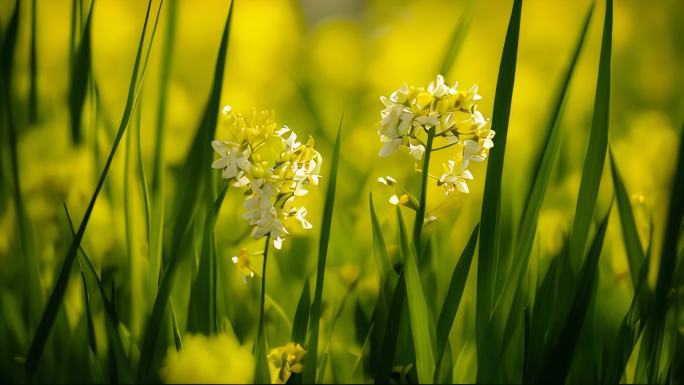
column 596, row 149
column 157, row 186
column 630, row 235
column 57, row 294
column 32, row 287
column 419, row 222
column 80, row 72
column 301, row 318
column 544, row 165
column 379, row 247
column 454, row 295
column 419, row 315
column 657, row 326
column 557, row 361
column 490, row 220
column 198, row 159
column 89, row 317
column 309, row 375
column 383, row 369
column 456, row 38
column 33, row 69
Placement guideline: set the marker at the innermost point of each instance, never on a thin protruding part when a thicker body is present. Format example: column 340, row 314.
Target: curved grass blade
column 419, row 315
column 188, row 196
column 544, row 165
column 630, row 235
column 383, row 369
column 596, row 149
column 157, row 186
column 33, row 69
column 379, row 249
column 91, row 328
column 454, row 295
column 32, row 286
column 309, row 375
column 490, row 219
column 456, row 38
column 80, row 72
column 558, row 359
column 301, row 318
column 57, row 294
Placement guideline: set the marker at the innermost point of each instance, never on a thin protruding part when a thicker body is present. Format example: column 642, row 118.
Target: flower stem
column 420, row 214
column 263, row 289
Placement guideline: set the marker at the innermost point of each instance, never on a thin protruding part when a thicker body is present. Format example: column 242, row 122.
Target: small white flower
column 394, row 200
column 231, row 160
column 416, row 151
column 299, row 215
column 226, row 110
column 387, row 181
column 390, row 146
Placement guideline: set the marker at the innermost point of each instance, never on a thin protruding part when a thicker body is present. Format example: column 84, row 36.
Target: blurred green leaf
column 457, row 37
column 382, row 259
column 57, row 294
column 544, row 165
column 309, row 375
column 388, row 348
column 557, row 360
column 80, row 72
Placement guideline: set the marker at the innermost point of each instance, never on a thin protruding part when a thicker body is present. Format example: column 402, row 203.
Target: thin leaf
column 419, row 314
column 379, row 249
column 187, row 197
column 57, row 294
column 557, row 361
column 544, row 165
column 454, row 295
column 80, row 72
column 301, row 318
column 596, row 149
column 490, row 219
column 383, row 369
column 309, row 375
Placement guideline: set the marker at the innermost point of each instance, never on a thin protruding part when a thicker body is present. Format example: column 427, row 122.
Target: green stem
column 420, row 214
column 263, row 289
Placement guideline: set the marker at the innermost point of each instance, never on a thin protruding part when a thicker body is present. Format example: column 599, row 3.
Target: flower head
column 272, row 165
column 216, row 359
column 285, row 360
column 410, row 112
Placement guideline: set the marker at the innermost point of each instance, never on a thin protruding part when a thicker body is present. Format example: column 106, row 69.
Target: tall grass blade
column 596, row 149
column 33, row 68
column 383, row 369
column 157, row 186
column 301, row 318
column 630, row 235
column 198, row 159
column 57, row 294
column 309, row 375
column 556, row 364
column 382, row 259
column 419, row 315
column 32, row 288
column 454, row 295
column 544, row 165
column 80, row 72
column 490, row 220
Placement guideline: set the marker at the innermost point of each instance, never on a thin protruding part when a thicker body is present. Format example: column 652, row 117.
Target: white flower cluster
column 272, row 166
column 410, row 112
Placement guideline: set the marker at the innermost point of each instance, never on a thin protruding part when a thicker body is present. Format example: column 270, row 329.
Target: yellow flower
column 215, row 359
column 274, row 168
column 244, row 264
column 285, row 360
